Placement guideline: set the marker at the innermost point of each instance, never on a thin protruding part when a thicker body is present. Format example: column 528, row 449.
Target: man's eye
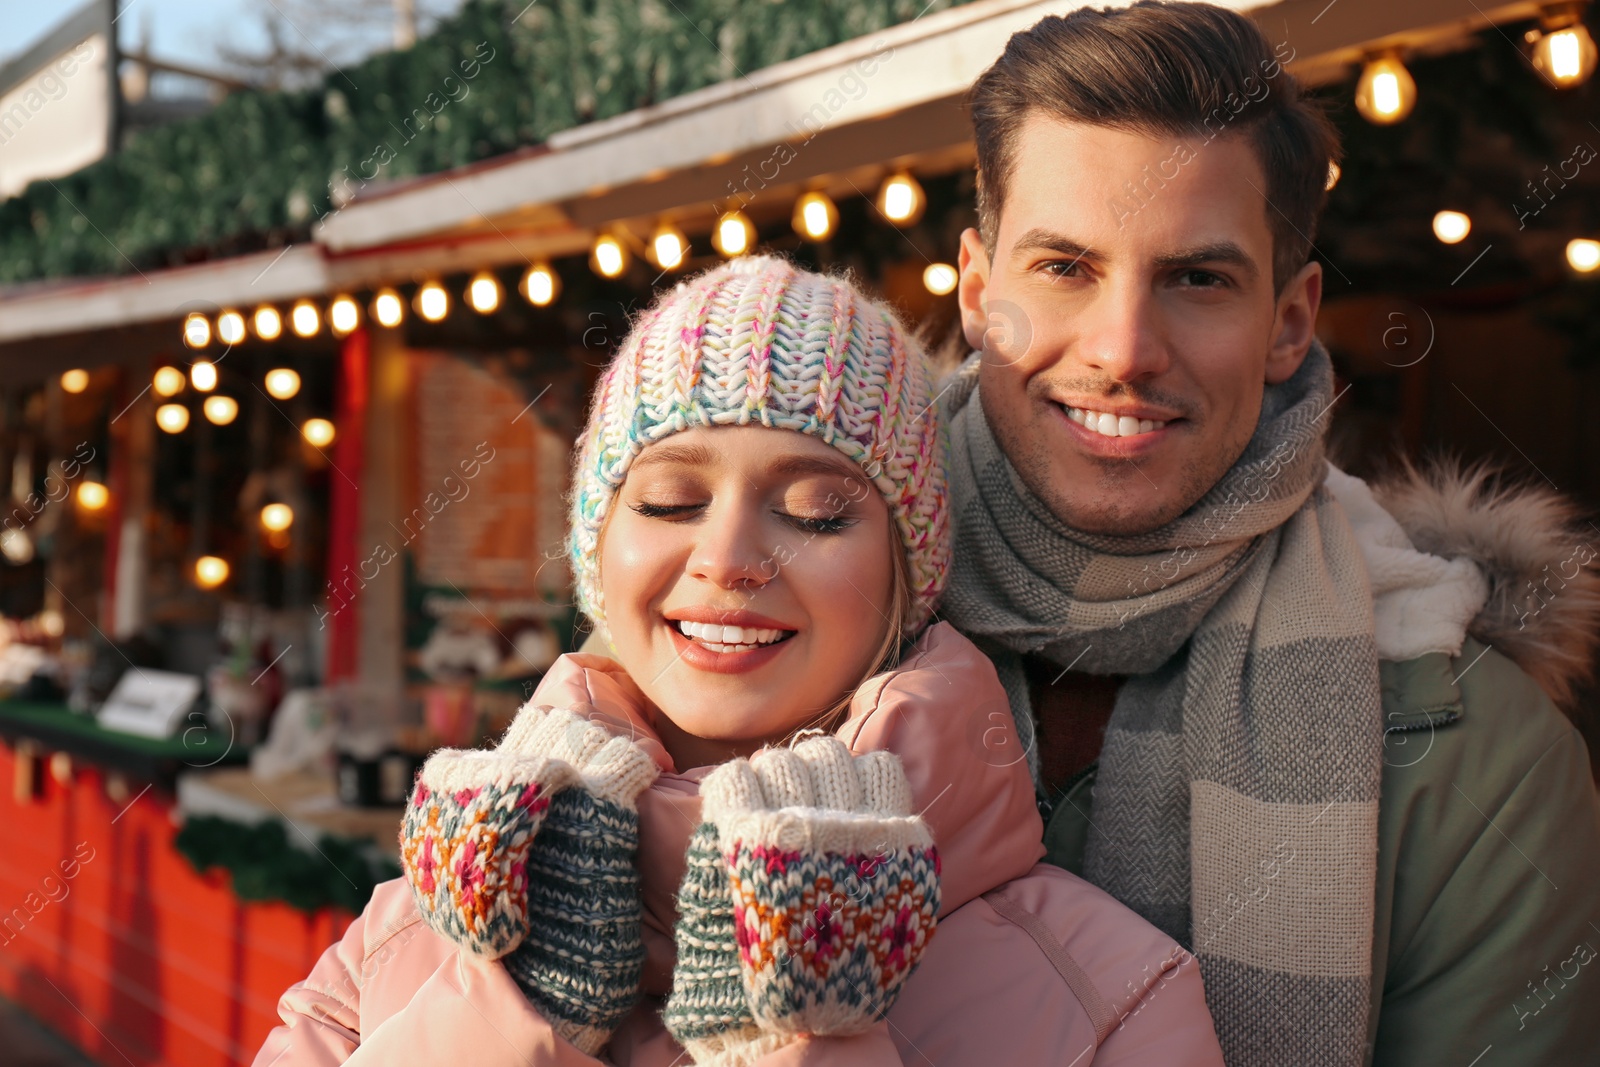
column 1062, row 268
column 663, row 511
column 1202, row 279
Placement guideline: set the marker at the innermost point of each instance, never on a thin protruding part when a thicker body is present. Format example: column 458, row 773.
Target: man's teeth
column 728, row 638
column 1109, row 425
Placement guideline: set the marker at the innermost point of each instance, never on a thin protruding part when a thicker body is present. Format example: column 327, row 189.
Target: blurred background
column 300, row 302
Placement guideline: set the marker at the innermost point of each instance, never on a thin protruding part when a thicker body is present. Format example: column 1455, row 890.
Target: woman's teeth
column 728, row 638
column 1109, row 425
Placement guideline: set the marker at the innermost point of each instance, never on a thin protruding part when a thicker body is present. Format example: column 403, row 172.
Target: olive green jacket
column 1488, row 899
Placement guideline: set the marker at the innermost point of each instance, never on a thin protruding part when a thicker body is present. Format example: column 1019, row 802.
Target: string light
column 432, row 302
column 940, row 278
column 168, row 381
column 304, row 319
column 1386, row 92
column 230, row 327
column 901, row 199
column 203, row 375
column 668, row 247
column 267, row 322
column 540, row 284
column 1333, row 175
column 196, row 330
column 16, row 545
column 484, row 293
column 344, row 315
column 210, row 571
column 1451, row 227
column 1583, row 255
column 74, row 381
column 1563, row 50
column 282, row 382
column 608, row 258
column 734, row 235
column 92, row 496
column 277, row 517
column 317, row 432
column 387, row 308
column 173, row 418
column 221, row 410
column 815, row 216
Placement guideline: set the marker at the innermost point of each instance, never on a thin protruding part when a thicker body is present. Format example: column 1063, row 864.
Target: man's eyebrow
column 686, row 453
column 1217, row 252
column 1039, row 237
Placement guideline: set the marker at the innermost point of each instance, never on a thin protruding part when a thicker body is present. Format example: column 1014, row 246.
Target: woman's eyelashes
column 822, row 524
column 664, row 511
column 829, row 522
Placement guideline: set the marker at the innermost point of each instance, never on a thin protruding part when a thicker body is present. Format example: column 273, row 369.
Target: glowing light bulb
column 282, row 382
column 901, row 199
column 1386, row 92
column 668, row 248
column 92, row 496
column 173, row 418
column 432, row 302
column 16, row 545
column 608, row 258
column 1451, row 227
column 220, row 410
column 210, row 571
column 940, row 278
column 267, row 322
column 540, row 285
column 735, row 234
column 304, row 319
column 230, row 327
column 74, row 381
column 1565, row 52
column 1333, row 175
column 196, row 330
column 168, row 381
column 203, row 375
column 277, row 517
column 387, row 308
column 317, row 432
column 483, row 293
column 1583, row 255
column 815, row 216
column 344, row 315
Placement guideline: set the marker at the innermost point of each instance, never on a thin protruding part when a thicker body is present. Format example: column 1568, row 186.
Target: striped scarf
column 1236, row 802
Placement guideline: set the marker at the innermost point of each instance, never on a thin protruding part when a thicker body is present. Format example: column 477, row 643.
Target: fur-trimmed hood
column 1541, row 559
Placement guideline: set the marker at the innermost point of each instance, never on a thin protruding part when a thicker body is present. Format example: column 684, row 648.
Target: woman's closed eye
column 819, row 524
column 665, row 511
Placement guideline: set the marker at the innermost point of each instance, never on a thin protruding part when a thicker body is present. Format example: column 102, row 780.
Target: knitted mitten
column 809, row 896
column 526, row 854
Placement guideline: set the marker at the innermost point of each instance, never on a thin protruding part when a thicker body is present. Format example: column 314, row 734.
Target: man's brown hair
column 1161, row 68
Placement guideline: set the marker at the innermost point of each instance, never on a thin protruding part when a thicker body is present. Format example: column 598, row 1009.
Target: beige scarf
column 1236, row 801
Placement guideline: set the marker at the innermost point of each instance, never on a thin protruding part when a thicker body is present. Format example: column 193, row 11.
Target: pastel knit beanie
column 758, row 341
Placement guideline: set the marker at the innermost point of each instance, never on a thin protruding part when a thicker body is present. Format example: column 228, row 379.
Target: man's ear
column 1295, row 324
column 972, row 291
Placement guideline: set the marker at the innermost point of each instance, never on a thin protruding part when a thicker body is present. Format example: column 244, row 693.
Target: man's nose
column 1120, row 334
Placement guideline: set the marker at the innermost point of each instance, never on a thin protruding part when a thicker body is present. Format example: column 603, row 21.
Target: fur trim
column 1534, row 547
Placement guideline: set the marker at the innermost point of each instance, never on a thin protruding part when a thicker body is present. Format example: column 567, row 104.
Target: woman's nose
column 732, row 553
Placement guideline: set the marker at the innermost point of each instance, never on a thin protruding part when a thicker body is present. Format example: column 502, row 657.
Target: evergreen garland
column 260, row 169
column 266, row 866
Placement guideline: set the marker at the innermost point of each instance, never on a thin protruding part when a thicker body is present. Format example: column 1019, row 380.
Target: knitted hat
column 758, row 341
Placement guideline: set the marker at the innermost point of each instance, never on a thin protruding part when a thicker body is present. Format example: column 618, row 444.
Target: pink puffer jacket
column 1029, row 964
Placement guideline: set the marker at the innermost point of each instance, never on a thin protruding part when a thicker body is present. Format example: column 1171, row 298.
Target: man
column 1269, row 719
